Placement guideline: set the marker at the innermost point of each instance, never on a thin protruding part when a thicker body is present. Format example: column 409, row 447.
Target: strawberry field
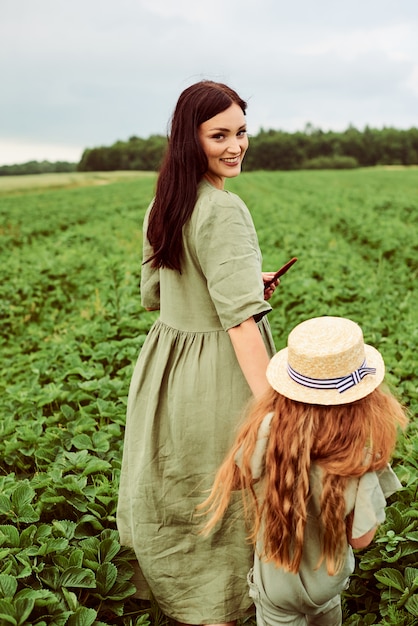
column 72, row 326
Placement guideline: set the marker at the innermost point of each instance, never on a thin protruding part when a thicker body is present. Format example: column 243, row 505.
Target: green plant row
column 72, row 327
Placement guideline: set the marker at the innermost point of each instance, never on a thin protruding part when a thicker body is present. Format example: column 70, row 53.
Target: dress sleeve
column 372, row 491
column 229, row 256
column 150, row 276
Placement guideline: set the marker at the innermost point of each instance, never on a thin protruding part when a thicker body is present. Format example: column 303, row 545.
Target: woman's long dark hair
column 182, row 169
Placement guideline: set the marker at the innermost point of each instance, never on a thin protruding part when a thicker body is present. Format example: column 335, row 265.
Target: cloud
column 88, row 73
column 23, row 150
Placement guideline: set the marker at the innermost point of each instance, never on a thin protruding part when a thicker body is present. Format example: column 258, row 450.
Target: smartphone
column 280, row 272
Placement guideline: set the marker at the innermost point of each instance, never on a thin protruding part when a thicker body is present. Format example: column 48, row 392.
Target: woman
column 204, row 357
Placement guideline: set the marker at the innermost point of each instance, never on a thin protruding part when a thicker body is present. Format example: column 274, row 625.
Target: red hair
column 345, row 441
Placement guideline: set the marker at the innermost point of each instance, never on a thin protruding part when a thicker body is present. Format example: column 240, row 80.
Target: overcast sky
column 84, row 73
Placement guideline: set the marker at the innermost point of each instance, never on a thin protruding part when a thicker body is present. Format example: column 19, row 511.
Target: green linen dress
column 186, row 400
column 282, row 597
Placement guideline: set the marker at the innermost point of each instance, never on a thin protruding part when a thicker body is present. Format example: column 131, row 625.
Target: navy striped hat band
column 342, row 384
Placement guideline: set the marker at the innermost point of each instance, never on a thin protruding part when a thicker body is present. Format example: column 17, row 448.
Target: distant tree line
column 311, row 148
column 277, row 150
column 315, row 149
column 37, row 167
column 134, row 154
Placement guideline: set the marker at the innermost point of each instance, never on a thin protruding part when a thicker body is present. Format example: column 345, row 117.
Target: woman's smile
column 231, row 160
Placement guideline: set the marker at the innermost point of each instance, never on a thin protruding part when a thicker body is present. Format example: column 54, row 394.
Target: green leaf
column 411, row 605
column 411, row 577
column 78, row 577
column 76, row 558
column 121, row 591
column 24, row 608
column 42, row 532
column 391, row 578
column 8, row 586
column 27, row 514
column 83, row 617
column 84, row 372
column 90, row 547
column 56, row 545
column 41, row 597
column 108, row 549
column 9, row 536
column 27, row 536
column 412, row 536
column 70, row 598
column 24, row 565
column 51, row 577
column 409, row 548
column 82, row 442
column 7, row 613
column 106, row 577
column 101, row 441
column 22, row 497
column 64, row 528
column 5, row 505
column 393, row 557
column 95, row 466
column 67, row 411
column 86, row 524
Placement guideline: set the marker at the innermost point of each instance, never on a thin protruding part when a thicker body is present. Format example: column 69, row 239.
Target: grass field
column 38, row 182
column 72, row 327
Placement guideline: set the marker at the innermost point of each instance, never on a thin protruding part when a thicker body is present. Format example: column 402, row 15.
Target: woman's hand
column 269, row 291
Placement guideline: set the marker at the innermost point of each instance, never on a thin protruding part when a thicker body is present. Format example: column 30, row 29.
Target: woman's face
column 224, row 141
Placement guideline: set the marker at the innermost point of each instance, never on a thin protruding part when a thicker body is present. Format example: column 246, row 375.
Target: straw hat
column 326, row 362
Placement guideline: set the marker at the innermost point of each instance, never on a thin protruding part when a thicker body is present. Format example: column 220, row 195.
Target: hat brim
column 279, row 379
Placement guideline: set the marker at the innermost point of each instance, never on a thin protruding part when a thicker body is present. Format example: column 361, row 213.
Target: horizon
column 50, row 153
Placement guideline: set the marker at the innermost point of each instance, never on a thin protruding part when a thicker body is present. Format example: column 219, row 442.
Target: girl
column 313, row 469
